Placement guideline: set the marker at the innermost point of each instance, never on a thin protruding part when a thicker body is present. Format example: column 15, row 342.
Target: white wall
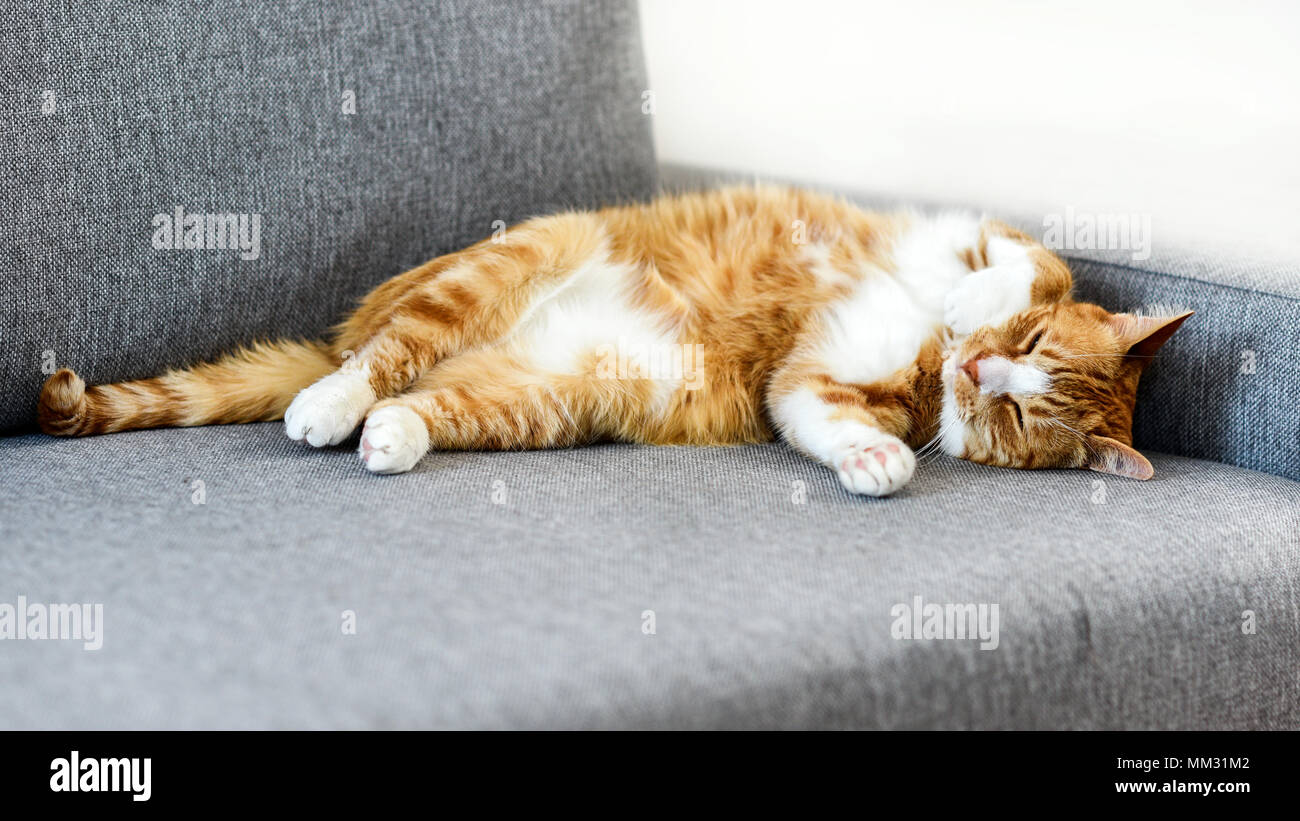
column 1185, row 111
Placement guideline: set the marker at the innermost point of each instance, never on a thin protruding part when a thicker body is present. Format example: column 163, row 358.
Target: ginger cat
column 705, row 319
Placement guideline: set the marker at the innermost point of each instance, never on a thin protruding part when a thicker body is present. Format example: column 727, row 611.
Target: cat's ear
column 1143, row 335
column 1106, row 455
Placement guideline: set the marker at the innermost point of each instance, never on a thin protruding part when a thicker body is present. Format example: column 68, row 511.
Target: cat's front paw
column 394, row 440
column 987, row 297
column 878, row 469
column 327, row 412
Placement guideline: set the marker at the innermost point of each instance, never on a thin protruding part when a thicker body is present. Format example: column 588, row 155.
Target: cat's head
column 1052, row 387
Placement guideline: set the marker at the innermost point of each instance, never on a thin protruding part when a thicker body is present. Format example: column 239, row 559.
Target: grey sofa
column 250, row 582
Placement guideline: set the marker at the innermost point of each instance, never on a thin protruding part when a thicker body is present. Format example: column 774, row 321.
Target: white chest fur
column 880, row 327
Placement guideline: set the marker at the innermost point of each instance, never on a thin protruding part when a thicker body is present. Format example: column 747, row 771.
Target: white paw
column 988, row 297
column 327, row 412
column 394, row 439
column 878, row 469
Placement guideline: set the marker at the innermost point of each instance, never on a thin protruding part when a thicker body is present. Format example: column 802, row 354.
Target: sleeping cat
column 706, row 319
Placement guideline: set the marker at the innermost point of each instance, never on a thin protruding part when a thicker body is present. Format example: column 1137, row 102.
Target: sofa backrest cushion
column 348, row 141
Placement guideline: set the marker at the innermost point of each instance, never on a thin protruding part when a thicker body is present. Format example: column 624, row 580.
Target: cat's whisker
column 933, row 456
column 927, row 458
column 933, row 449
column 930, row 445
column 1055, row 420
column 937, row 439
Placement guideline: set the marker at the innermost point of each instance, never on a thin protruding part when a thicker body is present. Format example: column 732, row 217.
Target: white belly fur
column 591, row 313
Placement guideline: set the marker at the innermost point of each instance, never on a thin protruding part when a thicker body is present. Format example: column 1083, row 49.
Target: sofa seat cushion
column 512, row 590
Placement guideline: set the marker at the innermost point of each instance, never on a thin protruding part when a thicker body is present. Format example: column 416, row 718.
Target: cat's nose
column 971, row 367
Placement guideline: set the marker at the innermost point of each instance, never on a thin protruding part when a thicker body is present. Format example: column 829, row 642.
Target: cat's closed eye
column 1018, row 414
column 1033, row 341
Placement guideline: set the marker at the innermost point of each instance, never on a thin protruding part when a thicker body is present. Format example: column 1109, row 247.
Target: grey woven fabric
column 1224, row 386
column 516, row 589
column 510, row 590
column 112, row 113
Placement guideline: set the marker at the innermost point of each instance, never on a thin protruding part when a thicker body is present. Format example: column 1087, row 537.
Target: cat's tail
column 252, row 384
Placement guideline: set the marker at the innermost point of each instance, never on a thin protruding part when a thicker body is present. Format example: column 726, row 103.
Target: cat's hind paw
column 394, row 440
column 878, row 470
column 327, row 412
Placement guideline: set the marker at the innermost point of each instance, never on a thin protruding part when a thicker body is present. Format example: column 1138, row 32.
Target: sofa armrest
column 1226, row 386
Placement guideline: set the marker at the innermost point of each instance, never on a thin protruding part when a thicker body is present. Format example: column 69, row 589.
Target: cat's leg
column 494, row 399
column 1010, row 272
column 451, row 304
column 855, row 430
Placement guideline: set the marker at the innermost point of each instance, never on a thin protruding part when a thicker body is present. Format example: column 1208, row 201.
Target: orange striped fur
column 785, row 295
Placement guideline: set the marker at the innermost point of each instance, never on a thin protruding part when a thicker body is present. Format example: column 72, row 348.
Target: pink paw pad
column 367, row 449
